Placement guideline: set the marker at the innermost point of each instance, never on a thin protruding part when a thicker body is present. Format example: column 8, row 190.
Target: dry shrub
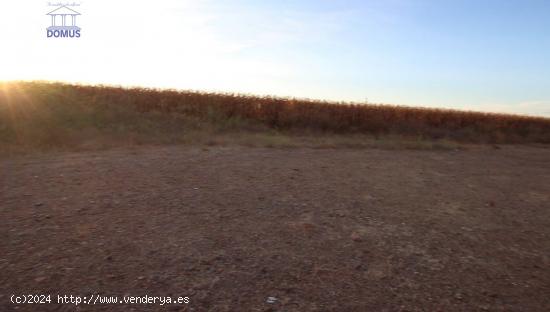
column 106, row 106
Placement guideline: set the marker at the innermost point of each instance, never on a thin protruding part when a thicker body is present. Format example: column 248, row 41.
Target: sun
column 10, row 71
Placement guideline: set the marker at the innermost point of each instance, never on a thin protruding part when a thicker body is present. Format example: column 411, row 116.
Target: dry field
column 38, row 115
column 318, row 229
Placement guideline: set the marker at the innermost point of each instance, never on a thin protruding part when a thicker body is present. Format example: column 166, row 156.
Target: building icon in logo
column 63, row 23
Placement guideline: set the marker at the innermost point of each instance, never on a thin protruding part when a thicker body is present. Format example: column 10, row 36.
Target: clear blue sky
column 479, row 55
column 464, row 54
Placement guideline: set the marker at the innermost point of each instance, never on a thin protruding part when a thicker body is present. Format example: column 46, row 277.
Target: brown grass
column 42, row 114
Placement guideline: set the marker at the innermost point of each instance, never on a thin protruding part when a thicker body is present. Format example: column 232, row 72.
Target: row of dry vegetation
column 42, row 114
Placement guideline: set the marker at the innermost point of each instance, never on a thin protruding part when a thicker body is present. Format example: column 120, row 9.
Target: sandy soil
column 318, row 229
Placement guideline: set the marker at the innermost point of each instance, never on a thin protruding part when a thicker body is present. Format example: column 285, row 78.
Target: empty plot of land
column 317, row 229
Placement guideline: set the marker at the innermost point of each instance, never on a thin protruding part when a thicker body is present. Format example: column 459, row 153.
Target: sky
column 482, row 55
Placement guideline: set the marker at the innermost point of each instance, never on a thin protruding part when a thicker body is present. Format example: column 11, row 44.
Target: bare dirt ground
column 318, row 229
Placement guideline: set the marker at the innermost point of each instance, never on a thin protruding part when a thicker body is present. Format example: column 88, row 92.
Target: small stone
column 356, row 237
column 141, row 278
column 459, row 296
column 39, row 279
column 271, row 300
column 38, row 204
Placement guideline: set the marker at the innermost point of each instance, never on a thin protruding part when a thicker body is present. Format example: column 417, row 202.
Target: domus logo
column 63, row 23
